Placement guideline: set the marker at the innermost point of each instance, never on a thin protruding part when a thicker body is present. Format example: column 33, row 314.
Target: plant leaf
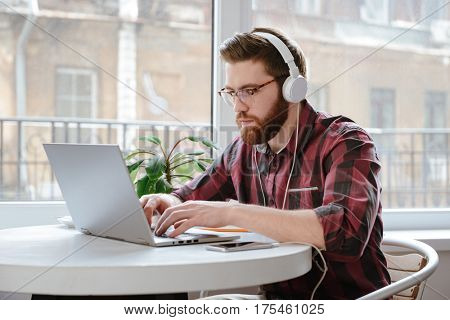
column 186, row 169
column 201, row 166
column 162, row 185
column 204, row 141
column 133, row 174
column 207, row 160
column 144, row 186
column 155, row 168
column 136, row 152
column 178, row 156
column 182, row 176
column 209, row 143
column 152, row 139
column 134, row 166
column 189, row 160
column 193, row 139
column 195, row 153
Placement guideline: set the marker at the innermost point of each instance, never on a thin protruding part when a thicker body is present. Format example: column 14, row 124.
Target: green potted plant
column 160, row 170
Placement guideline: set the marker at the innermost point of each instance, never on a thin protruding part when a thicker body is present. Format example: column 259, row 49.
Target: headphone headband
column 283, row 50
column 295, row 86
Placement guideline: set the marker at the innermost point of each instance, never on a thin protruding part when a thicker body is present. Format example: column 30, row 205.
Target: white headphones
column 295, row 86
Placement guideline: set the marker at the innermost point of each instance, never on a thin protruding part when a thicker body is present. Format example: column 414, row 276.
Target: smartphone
column 240, row 246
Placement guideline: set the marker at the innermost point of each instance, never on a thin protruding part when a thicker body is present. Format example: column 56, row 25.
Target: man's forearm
column 280, row 225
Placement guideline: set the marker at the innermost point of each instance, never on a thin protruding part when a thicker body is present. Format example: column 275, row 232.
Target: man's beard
column 268, row 127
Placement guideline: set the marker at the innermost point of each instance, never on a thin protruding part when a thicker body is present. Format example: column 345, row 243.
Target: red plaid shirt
column 339, row 158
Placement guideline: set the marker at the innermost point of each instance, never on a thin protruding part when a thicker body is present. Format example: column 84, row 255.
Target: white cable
column 324, row 269
column 259, row 175
column 295, row 157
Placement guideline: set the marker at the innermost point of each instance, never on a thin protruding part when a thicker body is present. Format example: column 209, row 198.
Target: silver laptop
column 100, row 196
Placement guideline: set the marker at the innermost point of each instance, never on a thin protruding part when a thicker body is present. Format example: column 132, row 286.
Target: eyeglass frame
column 235, row 94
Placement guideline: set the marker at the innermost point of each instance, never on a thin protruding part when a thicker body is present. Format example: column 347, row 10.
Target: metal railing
column 415, row 162
column 415, row 167
column 24, row 170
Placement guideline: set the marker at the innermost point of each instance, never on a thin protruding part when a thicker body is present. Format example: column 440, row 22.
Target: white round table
column 55, row 260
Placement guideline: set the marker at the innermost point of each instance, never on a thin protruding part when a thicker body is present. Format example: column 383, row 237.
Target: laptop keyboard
column 165, row 235
column 180, row 237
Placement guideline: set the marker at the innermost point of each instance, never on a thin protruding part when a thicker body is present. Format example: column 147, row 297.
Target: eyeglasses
column 245, row 95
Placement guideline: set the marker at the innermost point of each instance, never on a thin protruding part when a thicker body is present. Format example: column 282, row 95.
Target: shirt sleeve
column 215, row 183
column 351, row 195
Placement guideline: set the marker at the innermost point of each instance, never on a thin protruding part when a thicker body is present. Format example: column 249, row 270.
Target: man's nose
column 239, row 106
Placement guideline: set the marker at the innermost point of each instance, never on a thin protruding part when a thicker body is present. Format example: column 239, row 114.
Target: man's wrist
column 232, row 212
column 175, row 200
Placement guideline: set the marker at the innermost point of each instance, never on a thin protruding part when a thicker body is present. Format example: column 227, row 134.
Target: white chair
column 408, row 272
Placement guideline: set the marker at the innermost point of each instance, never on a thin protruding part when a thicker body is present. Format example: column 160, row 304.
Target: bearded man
column 297, row 175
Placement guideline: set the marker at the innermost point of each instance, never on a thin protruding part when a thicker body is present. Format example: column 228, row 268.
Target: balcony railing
column 415, row 162
column 25, row 173
column 415, row 167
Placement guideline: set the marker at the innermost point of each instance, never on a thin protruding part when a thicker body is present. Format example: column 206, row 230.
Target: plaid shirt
column 339, row 158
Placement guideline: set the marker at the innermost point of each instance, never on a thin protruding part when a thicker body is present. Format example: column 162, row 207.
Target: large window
column 110, row 71
column 385, row 64
column 97, row 72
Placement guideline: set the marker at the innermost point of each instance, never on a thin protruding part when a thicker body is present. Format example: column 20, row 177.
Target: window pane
column 84, row 84
column 375, row 11
column 64, row 84
column 390, row 78
column 74, row 93
column 84, row 109
column 382, row 104
column 64, row 106
column 435, row 109
column 133, row 68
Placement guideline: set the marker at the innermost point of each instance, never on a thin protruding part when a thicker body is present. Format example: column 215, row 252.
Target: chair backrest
column 400, row 267
column 408, row 272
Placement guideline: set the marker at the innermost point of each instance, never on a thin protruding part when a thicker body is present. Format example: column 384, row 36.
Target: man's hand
column 281, row 225
column 158, row 202
column 195, row 213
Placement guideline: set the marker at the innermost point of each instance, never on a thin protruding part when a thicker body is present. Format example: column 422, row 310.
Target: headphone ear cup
column 294, row 89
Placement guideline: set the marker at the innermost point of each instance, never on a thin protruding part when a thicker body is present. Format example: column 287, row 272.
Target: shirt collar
column 305, row 125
